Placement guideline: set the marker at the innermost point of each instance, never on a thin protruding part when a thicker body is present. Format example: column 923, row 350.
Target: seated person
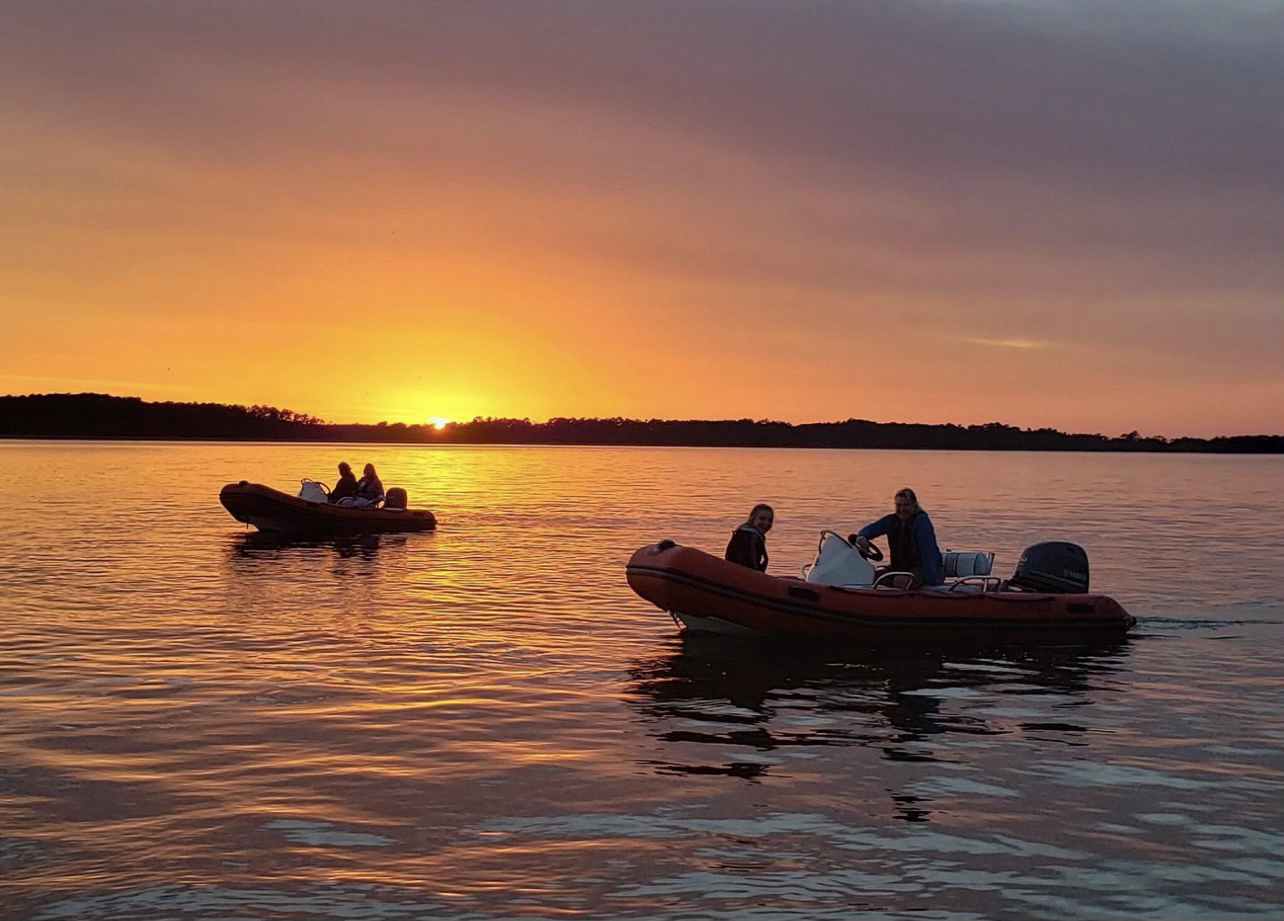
column 748, row 544
column 347, row 485
column 369, row 487
column 911, row 538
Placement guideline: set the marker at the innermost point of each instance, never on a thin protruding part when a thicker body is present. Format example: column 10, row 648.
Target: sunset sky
column 1065, row 214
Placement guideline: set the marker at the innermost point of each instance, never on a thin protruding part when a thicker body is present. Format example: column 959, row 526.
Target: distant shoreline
column 100, row 417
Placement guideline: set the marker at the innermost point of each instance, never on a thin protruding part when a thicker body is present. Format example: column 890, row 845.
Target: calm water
column 486, row 723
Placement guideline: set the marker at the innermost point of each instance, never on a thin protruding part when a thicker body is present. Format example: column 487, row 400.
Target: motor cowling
column 1054, row 566
column 395, row 498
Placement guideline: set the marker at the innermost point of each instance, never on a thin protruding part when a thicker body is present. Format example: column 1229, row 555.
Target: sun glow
column 438, row 422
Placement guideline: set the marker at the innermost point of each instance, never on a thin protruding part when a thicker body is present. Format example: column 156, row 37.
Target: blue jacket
column 919, row 551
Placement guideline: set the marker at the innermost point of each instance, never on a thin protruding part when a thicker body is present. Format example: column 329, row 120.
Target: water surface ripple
column 202, row 723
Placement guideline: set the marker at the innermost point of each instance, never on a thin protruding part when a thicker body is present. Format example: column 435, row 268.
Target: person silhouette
column 369, row 487
column 347, row 484
column 748, row 544
column 910, row 537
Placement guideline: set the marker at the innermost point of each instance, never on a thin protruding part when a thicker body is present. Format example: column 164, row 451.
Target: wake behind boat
column 310, row 513
column 840, row 597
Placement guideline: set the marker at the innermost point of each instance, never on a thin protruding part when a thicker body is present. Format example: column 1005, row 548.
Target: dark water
column 196, row 723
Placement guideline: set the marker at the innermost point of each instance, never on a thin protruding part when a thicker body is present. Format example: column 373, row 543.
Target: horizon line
column 307, row 419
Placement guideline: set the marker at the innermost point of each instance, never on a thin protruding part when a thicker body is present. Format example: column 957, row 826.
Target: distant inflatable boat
column 839, row 597
column 272, row 510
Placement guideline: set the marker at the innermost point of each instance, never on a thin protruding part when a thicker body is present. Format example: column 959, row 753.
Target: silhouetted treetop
column 99, row 416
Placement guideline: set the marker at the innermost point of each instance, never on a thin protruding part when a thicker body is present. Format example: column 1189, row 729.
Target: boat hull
column 276, row 512
column 708, row 594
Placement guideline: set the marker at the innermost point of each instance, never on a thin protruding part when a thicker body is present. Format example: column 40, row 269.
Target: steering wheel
column 870, row 551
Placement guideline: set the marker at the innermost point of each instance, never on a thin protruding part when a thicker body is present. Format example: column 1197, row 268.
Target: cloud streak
column 632, row 184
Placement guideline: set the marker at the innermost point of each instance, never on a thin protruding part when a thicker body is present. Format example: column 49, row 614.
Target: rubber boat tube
column 269, row 509
column 706, row 593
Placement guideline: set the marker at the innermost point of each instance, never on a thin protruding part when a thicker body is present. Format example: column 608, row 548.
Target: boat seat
column 358, row 502
column 959, row 564
column 901, row 580
column 975, row 585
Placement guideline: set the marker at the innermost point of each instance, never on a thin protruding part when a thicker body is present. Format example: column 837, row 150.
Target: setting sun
column 591, row 229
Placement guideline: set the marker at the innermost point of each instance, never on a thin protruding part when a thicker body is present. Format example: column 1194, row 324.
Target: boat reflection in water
column 746, row 708
column 332, row 582
column 267, row 544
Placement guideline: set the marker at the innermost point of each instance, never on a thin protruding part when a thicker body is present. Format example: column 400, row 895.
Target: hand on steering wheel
column 865, row 548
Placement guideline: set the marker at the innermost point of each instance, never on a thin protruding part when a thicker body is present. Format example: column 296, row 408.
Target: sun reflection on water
column 483, row 721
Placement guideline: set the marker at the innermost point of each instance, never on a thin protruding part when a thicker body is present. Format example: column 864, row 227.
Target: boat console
column 839, row 563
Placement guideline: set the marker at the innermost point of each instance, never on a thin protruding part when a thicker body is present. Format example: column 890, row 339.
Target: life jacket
column 904, row 548
column 747, row 547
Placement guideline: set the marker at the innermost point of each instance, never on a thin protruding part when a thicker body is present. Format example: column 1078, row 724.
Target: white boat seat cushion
column 960, row 564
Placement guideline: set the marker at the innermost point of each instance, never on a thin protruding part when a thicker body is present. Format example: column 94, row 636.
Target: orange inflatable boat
column 840, row 598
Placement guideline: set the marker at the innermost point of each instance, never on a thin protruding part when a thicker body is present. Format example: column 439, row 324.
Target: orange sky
column 1066, row 215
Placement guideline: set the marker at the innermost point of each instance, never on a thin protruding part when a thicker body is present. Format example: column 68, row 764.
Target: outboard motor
column 1053, row 566
column 395, row 498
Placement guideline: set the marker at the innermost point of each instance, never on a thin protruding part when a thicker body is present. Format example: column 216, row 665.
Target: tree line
column 99, row 416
